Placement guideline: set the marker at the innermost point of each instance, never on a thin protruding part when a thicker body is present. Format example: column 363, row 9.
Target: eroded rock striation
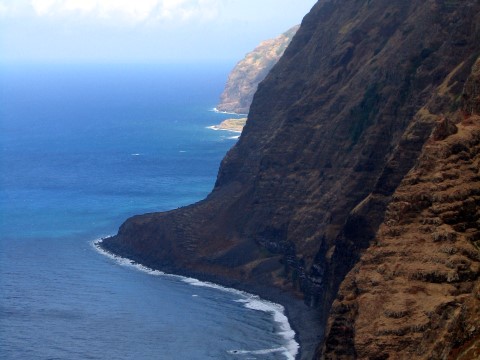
column 243, row 80
column 415, row 293
column 354, row 183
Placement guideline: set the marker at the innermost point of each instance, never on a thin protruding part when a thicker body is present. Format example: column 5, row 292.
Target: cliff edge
column 243, row 80
column 337, row 133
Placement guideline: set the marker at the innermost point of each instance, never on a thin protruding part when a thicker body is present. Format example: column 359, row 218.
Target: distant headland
column 243, row 81
column 235, row 125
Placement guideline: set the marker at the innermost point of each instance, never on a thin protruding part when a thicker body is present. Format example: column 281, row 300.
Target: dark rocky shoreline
column 304, row 320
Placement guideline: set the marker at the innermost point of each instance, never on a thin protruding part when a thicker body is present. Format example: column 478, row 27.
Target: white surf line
column 124, row 261
column 256, row 352
column 215, row 110
column 216, row 128
column 278, row 311
column 250, row 301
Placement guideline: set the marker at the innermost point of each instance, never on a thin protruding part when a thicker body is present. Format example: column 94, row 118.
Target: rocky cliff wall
column 415, row 293
column 332, row 132
column 243, row 80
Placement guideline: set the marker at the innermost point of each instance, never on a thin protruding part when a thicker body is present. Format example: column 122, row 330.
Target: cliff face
column 249, row 72
column 327, row 159
column 416, row 292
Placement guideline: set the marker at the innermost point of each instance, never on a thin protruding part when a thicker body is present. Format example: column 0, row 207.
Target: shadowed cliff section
column 332, row 131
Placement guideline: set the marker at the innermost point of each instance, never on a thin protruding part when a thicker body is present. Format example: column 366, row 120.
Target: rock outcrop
column 236, row 125
column 355, row 171
column 249, row 72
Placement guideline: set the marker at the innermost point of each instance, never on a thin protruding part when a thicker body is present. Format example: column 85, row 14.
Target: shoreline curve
column 251, row 301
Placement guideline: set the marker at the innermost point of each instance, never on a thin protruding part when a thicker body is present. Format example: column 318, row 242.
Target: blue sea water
column 82, row 147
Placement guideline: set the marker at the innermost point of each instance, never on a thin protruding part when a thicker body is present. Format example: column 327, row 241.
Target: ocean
column 82, row 148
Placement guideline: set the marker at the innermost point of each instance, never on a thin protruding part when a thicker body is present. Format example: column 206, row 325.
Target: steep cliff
column 333, row 131
column 416, row 292
column 249, row 72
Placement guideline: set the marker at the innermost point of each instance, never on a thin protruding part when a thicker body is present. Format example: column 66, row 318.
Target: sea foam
column 216, row 128
column 278, row 312
column 215, row 110
column 250, row 301
column 256, row 352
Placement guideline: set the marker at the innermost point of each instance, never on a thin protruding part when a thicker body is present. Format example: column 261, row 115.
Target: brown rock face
column 249, row 72
column 333, row 130
column 415, row 293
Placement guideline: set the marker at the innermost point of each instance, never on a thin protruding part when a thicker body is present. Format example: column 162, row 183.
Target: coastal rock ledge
column 354, row 187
